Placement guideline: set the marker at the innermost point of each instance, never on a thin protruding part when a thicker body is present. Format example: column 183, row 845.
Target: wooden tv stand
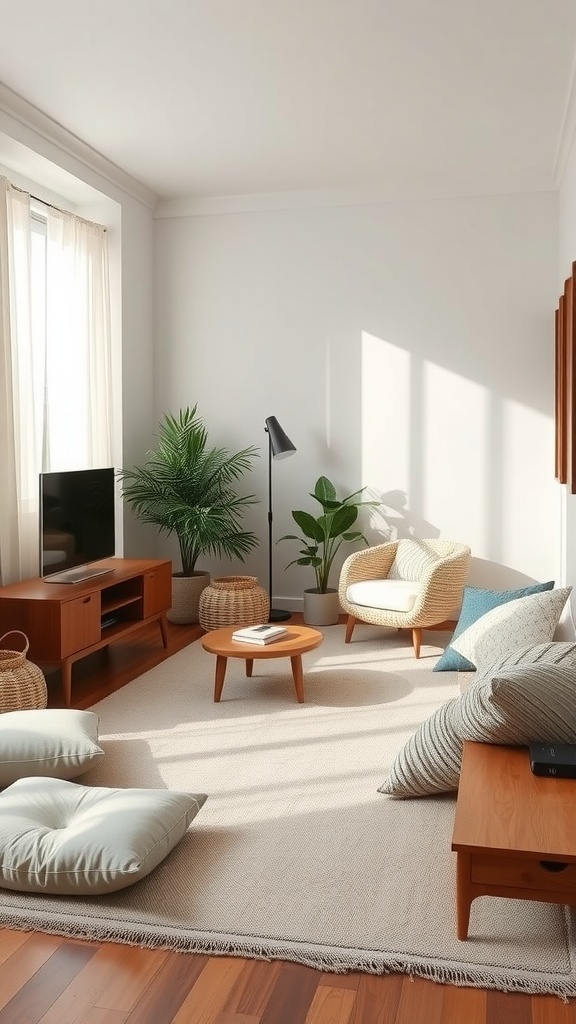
column 66, row 621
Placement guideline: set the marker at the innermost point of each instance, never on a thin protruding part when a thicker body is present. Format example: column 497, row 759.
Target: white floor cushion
column 392, row 595
column 62, row 838
column 62, row 743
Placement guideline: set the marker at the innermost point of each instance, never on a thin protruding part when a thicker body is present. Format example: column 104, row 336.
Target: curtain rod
column 37, row 198
column 58, row 209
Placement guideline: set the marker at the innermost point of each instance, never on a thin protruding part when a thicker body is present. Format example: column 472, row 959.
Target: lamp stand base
column 279, row 615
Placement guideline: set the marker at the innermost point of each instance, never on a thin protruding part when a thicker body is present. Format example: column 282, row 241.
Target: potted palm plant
column 186, row 488
column 321, row 537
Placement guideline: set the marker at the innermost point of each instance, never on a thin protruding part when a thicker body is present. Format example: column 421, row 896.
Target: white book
column 262, row 634
column 259, row 642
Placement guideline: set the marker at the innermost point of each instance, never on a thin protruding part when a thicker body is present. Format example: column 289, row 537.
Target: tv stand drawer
column 80, row 625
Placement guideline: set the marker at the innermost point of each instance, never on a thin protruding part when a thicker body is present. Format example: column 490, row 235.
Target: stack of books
column 263, row 634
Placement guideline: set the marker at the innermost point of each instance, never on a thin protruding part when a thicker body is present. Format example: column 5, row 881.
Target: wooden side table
column 299, row 640
column 514, row 832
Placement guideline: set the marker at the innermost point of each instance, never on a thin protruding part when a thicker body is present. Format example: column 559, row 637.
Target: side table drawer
column 521, row 873
column 80, row 624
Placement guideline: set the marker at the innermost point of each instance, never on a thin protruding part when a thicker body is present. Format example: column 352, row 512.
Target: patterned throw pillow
column 475, row 603
column 511, row 626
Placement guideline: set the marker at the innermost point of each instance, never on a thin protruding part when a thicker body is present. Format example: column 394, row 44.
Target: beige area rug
column 295, row 855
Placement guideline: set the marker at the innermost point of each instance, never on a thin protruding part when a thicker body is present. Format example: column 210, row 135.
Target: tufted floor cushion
column 63, row 838
column 392, row 595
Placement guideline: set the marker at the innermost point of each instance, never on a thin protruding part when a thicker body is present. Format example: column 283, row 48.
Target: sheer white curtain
column 78, row 421
column 55, row 366
column 20, row 422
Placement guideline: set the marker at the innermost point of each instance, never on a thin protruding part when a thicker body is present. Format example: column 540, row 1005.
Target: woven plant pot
column 186, row 593
column 233, row 601
column 22, row 683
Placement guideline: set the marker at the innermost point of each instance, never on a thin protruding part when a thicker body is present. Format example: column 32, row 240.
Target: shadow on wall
column 395, row 521
column 398, row 520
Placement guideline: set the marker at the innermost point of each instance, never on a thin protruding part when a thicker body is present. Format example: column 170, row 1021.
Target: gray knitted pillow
column 430, row 760
column 532, row 698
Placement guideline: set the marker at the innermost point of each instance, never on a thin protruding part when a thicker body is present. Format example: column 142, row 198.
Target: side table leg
column 296, row 662
column 249, row 666
column 463, row 895
column 221, row 663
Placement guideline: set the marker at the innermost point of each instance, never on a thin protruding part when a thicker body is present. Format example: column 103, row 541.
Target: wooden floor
column 45, row 979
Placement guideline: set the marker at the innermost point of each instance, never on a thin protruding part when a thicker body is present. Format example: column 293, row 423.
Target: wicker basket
column 233, row 601
column 22, row 683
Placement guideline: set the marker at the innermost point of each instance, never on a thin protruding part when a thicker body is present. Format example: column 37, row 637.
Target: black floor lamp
column 279, row 447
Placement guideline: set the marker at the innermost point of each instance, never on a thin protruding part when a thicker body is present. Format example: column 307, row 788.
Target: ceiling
column 205, row 98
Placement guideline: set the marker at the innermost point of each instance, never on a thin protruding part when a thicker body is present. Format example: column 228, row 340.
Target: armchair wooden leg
column 416, row 641
column 350, row 623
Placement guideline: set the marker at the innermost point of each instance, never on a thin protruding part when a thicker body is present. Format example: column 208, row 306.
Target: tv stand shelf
column 64, row 621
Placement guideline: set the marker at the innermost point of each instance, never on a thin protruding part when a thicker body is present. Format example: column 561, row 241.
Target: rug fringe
column 320, row 958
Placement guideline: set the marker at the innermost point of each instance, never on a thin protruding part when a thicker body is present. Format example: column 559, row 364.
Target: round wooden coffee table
column 299, row 640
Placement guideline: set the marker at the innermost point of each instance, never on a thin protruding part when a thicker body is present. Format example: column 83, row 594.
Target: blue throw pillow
column 475, row 603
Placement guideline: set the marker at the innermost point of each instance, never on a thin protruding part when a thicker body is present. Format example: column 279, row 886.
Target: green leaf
column 308, row 525
column 324, row 490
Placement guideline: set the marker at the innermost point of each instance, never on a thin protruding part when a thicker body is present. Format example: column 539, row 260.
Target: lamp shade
column 280, row 444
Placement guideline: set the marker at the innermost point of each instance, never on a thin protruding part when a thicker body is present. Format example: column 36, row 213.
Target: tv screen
column 76, row 519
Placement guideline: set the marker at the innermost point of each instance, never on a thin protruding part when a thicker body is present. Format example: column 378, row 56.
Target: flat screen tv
column 77, row 525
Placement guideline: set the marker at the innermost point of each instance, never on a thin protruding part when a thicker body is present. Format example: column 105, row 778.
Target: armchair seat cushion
column 391, row 595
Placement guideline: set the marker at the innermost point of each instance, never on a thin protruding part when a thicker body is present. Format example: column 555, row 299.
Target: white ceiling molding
column 269, row 201
column 23, row 121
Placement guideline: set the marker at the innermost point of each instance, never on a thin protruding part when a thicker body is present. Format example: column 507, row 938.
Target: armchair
column 404, row 584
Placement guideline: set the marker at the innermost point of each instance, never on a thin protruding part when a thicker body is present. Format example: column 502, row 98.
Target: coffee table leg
column 249, row 666
column 221, row 663
column 296, row 662
column 463, row 896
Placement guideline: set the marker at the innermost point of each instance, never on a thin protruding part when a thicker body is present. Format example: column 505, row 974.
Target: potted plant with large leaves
column 187, row 488
column 322, row 537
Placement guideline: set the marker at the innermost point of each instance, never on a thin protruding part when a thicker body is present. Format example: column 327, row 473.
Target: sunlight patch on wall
column 454, row 456
column 385, row 415
column 527, row 449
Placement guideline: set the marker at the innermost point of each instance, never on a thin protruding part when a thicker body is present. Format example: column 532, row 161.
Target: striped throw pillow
column 430, row 761
column 521, row 705
column 530, row 697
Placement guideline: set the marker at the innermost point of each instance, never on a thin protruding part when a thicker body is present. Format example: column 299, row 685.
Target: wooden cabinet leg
column 463, row 895
column 296, row 662
column 66, row 673
column 249, row 666
column 163, row 623
column 221, row 663
column 350, row 623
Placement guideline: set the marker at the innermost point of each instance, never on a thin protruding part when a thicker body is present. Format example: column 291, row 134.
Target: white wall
column 404, row 346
